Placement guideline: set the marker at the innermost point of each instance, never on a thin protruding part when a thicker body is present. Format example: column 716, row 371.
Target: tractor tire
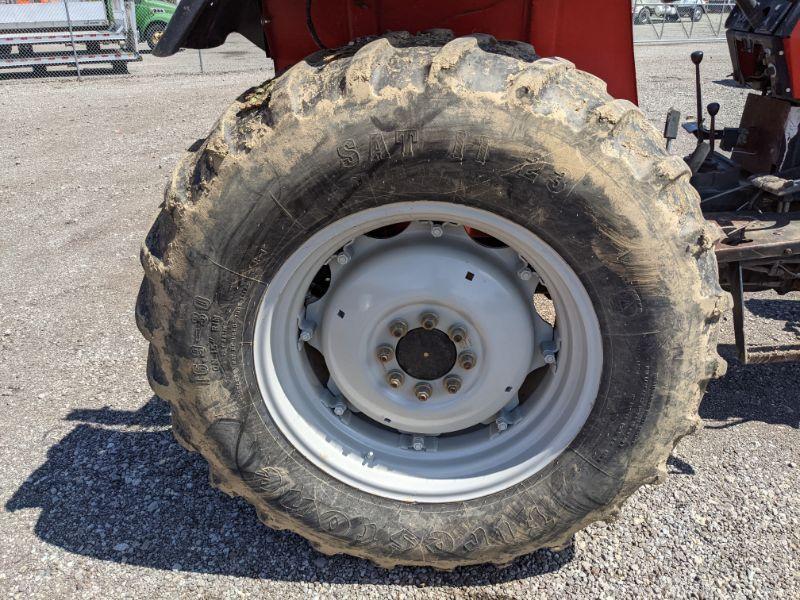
column 422, row 130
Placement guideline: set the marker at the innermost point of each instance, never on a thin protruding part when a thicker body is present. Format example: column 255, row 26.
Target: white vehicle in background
column 57, row 33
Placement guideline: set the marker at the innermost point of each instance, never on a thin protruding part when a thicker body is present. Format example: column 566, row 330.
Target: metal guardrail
column 680, row 20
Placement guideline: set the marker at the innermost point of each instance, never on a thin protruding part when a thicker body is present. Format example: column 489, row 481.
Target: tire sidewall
column 601, row 228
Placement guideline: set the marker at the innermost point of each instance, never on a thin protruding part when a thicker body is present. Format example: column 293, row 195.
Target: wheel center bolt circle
column 395, row 379
column 423, row 391
column 467, row 360
column 385, row 353
column 457, row 333
column 429, row 321
column 426, row 354
column 398, row 328
column 452, row 384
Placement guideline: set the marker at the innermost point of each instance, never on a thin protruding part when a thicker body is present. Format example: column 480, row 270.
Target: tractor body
column 598, row 39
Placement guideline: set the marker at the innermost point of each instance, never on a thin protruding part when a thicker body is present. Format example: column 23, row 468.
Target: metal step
column 15, row 62
column 59, row 37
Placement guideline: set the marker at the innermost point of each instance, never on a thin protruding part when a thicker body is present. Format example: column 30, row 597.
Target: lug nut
column 525, row 274
column 452, row 384
column 429, row 321
column 385, row 354
column 418, row 443
column 458, row 334
column 398, row 328
column 501, row 424
column 395, row 379
column 343, row 257
column 466, row 360
column 339, row 409
column 436, row 230
column 423, row 391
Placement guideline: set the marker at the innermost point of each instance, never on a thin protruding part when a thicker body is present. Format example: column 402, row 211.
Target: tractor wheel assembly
column 431, row 301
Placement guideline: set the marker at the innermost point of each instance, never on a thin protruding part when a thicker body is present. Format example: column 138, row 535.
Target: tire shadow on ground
column 769, row 393
column 119, row 488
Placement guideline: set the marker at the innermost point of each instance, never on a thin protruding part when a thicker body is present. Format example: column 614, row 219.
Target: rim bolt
column 458, row 334
column 452, row 384
column 385, row 354
column 501, row 424
column 466, row 360
column 339, row 409
column 525, row 274
column 423, row 391
column 395, row 379
column 398, row 328
column 549, row 349
column 343, row 257
column 429, row 321
column 436, row 230
column 418, row 443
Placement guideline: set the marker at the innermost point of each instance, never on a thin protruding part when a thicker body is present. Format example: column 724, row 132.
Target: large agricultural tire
column 378, row 132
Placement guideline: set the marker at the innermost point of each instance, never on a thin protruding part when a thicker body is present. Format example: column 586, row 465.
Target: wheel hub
column 406, row 292
column 356, row 406
column 426, row 354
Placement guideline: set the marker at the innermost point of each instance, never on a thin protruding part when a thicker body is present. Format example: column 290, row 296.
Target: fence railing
column 680, row 20
column 75, row 34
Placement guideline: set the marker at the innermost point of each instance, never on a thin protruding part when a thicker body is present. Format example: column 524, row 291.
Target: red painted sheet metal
column 596, row 36
column 792, row 50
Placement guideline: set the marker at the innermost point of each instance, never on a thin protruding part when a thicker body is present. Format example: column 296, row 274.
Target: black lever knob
column 697, row 57
column 713, row 109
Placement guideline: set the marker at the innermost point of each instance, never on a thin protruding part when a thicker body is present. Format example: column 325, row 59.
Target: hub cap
column 422, row 370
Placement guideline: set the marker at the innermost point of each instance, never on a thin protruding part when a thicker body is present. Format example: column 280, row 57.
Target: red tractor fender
column 596, row 36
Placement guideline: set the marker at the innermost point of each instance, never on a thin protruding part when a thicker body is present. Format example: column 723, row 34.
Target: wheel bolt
column 525, row 274
column 452, row 384
column 343, row 257
column 395, row 379
column 436, row 230
column 458, row 334
column 385, row 354
column 423, row 391
column 339, row 409
column 466, row 360
column 501, row 424
column 398, row 328
column 418, row 443
column 429, row 321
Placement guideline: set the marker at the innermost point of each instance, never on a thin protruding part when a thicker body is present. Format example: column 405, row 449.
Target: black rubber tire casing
column 471, row 121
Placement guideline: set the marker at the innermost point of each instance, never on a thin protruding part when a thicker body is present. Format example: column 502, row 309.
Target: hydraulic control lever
column 697, row 58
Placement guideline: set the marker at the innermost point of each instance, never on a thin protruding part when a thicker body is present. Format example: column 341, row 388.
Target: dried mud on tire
column 469, row 120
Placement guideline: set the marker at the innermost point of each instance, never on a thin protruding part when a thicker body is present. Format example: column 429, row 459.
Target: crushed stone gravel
column 99, row 501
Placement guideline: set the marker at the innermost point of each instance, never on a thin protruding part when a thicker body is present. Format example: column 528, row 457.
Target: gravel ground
column 97, row 498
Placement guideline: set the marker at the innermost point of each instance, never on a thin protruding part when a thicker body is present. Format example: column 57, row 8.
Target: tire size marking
column 458, row 149
column 537, row 167
column 407, row 143
column 199, row 352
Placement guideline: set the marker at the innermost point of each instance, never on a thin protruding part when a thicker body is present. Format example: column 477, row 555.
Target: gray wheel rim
column 451, row 446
